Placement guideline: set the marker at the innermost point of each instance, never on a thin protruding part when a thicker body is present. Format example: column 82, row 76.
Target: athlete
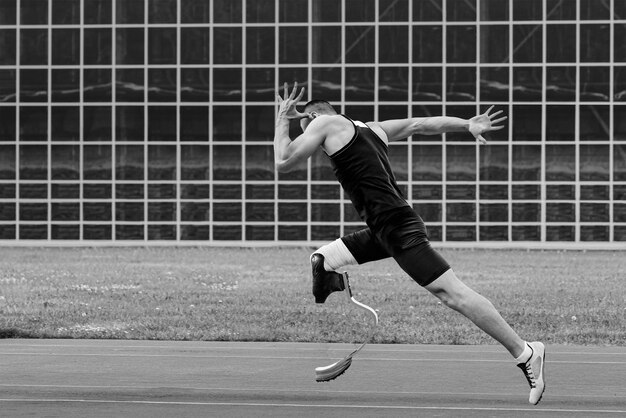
column 358, row 155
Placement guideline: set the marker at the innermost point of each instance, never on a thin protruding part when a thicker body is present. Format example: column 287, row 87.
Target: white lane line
column 303, row 405
column 295, row 391
column 208, row 356
column 263, row 347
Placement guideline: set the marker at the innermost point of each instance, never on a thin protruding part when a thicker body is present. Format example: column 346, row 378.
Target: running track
column 116, row 378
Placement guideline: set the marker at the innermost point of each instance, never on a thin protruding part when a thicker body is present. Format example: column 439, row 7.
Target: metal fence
column 151, row 121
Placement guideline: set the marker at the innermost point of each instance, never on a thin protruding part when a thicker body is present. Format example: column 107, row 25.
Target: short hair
column 320, row 106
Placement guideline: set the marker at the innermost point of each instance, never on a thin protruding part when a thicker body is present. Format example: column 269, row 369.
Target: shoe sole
column 328, row 373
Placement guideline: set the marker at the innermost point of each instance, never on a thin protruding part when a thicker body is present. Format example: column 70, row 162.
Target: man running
column 358, row 155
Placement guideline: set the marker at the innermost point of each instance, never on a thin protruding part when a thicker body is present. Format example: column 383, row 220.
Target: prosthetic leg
column 328, row 373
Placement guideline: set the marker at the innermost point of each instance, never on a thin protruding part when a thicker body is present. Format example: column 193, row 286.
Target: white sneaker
column 533, row 370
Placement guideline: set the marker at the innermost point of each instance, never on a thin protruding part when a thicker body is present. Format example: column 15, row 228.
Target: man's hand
column 478, row 125
column 287, row 106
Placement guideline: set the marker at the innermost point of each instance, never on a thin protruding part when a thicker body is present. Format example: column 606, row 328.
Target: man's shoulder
column 338, row 131
column 334, row 118
column 331, row 122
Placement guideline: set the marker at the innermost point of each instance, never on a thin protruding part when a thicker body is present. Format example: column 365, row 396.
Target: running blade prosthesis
column 333, row 371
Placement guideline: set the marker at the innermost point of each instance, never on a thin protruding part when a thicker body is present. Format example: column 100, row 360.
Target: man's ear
column 313, row 115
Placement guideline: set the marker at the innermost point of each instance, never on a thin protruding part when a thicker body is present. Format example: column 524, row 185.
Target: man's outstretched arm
column 397, row 129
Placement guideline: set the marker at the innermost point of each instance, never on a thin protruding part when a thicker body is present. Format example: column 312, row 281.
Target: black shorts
column 400, row 234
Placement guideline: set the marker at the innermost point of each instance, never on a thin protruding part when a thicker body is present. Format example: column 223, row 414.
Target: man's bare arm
column 478, row 125
column 397, row 129
column 287, row 153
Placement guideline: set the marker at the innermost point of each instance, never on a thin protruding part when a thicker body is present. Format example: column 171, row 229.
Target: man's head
column 316, row 108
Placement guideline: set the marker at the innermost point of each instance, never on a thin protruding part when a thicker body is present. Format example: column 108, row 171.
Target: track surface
column 113, row 378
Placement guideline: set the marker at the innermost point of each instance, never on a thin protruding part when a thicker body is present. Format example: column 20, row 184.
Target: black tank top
column 362, row 167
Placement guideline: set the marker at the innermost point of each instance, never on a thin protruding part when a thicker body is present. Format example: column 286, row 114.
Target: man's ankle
column 525, row 355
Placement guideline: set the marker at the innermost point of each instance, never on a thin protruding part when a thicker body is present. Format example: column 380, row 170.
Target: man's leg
column 356, row 248
column 478, row 309
column 460, row 297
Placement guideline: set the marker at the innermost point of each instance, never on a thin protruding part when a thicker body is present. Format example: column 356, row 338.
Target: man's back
column 363, row 169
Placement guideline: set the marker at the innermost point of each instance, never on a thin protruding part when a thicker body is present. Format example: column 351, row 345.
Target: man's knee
column 451, row 291
column 456, row 301
column 336, row 255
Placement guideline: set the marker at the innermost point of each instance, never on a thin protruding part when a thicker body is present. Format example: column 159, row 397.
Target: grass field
column 264, row 294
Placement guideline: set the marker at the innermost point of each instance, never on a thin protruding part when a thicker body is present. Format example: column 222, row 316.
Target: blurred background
column 151, row 121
